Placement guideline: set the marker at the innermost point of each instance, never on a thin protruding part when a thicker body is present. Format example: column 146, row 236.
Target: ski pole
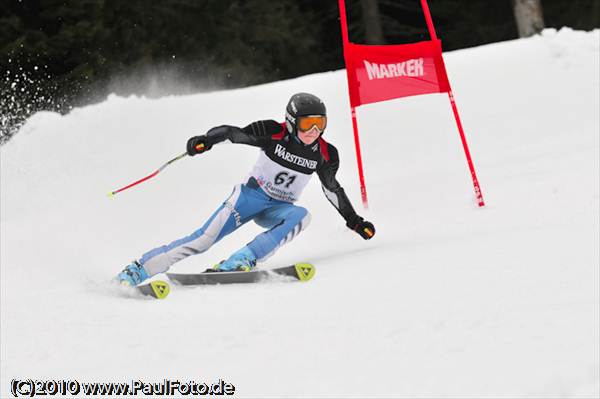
column 178, row 157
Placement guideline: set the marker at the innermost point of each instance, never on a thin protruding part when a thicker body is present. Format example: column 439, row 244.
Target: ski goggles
column 305, row 123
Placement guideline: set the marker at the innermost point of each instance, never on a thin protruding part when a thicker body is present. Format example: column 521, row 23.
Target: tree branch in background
column 372, row 21
column 529, row 17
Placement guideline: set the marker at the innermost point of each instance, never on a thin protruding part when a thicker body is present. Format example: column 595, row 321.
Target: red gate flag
column 379, row 73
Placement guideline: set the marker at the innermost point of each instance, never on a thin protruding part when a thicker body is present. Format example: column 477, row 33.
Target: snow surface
column 447, row 299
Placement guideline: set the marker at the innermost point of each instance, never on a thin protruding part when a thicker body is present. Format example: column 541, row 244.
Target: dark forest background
column 58, row 54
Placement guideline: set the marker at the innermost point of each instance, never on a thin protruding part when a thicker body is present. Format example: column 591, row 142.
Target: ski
column 298, row 271
column 156, row 289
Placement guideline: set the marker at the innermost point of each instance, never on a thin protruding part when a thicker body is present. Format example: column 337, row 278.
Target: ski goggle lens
column 305, row 123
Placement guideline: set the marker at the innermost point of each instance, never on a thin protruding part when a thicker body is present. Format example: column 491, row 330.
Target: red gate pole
column 478, row 193
column 345, row 41
column 463, row 139
column 361, row 176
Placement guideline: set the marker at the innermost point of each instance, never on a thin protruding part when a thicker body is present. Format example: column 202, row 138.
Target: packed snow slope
column 446, row 300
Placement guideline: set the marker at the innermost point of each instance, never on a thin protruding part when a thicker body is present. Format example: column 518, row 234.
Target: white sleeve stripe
column 331, row 197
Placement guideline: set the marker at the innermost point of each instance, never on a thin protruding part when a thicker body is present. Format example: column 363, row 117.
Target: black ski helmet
column 302, row 104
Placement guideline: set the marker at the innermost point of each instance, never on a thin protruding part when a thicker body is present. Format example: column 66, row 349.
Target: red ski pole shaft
column 150, row 176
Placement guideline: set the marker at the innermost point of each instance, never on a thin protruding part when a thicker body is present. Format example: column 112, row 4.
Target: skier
column 290, row 153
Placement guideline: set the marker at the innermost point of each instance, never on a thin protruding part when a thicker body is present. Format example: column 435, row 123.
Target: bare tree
column 529, row 16
column 372, row 21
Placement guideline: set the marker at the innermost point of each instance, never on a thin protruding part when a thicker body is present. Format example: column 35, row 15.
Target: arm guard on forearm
column 340, row 201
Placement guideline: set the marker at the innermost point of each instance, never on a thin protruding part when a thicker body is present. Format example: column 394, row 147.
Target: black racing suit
column 281, row 149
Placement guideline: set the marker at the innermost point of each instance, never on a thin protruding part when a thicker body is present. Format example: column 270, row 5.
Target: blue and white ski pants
column 283, row 219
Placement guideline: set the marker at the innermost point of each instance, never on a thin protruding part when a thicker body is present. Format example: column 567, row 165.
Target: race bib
column 278, row 181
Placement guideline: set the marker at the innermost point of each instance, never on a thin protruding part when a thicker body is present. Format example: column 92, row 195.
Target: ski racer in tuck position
column 290, row 153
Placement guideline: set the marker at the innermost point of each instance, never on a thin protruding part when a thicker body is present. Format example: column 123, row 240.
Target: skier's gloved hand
column 364, row 228
column 197, row 145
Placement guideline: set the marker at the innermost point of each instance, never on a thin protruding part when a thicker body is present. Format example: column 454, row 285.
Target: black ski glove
column 197, row 145
column 364, row 228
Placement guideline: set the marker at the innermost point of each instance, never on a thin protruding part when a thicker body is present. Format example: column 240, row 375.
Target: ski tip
column 160, row 289
column 304, row 271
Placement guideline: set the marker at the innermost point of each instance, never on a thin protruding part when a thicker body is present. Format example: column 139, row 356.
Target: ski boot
column 242, row 260
column 132, row 275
